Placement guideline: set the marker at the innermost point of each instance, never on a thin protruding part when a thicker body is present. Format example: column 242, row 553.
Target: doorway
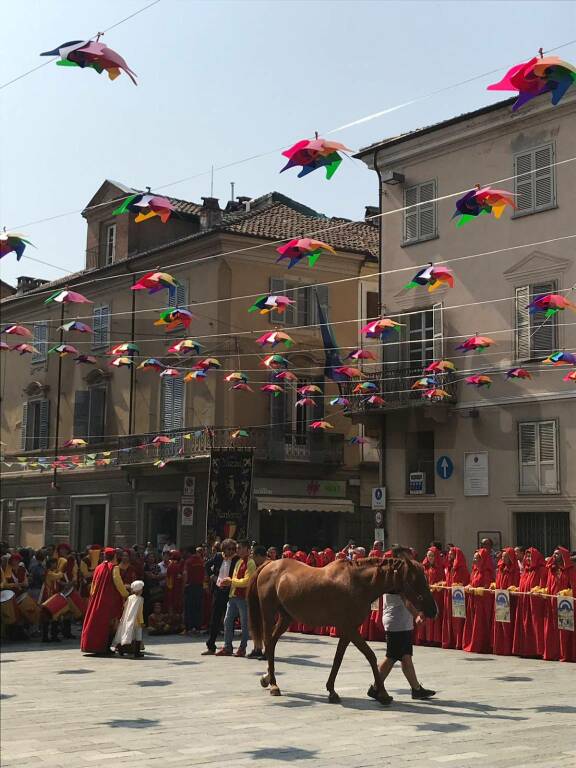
column 300, row 529
column 418, row 529
column 89, row 521
column 161, row 523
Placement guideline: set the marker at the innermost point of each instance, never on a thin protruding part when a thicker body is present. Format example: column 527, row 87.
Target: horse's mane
column 368, row 561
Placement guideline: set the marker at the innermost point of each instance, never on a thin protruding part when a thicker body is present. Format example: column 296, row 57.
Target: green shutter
column 523, row 345
column 410, row 215
column 97, row 414
column 24, row 427
column 81, row 414
column 44, row 426
column 277, row 288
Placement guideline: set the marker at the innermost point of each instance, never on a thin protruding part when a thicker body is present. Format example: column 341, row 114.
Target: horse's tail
column 255, row 610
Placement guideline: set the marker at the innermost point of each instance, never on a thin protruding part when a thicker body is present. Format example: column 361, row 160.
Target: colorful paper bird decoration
column 92, row 54
column 518, row 373
column 239, row 433
column 209, row 363
column 482, row 200
column 120, row 362
column 162, row 440
column 547, row 74
column 309, row 389
column 126, row 348
column 236, row 376
column 360, row 354
column 242, row 386
column 285, row 376
column 274, row 389
column 340, row 401
column 426, row 383
column 174, row 317
column 156, row 281
column 17, row 330
column 363, row 387
column 475, row 343
column 431, row 276
column 76, row 442
column 348, row 371
column 87, row 359
column 440, row 366
column 375, row 400
column 194, row 375
column 24, row 349
column 64, row 349
column 357, row 440
column 571, row 376
column 321, row 425
column 185, row 346
column 170, row 373
column 11, row 242
column 304, row 401
column 478, row 381
column 146, row 206
column 67, row 297
column 76, row 325
column 379, row 328
column 312, row 154
column 557, row 358
column 436, row 394
column 151, row 364
column 4, row 347
column 302, row 248
column 271, row 303
column 550, row 304
column 275, row 361
column 274, row 338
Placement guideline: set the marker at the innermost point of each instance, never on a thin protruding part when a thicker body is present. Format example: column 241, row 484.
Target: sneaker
column 240, row 653
column 224, row 652
column 383, row 697
column 256, row 653
column 209, row 652
column 422, row 693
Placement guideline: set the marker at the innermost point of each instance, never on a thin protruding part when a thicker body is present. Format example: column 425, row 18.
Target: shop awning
column 303, row 504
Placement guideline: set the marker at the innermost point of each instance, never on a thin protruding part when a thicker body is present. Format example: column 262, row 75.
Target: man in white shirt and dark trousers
column 219, row 571
column 398, row 617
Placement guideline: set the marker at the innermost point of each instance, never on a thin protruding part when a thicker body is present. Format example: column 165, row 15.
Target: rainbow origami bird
column 440, row 366
column 304, row 401
column 151, row 364
column 340, row 401
column 547, row 74
column 475, row 343
column 239, row 433
column 518, row 373
column 478, row 381
column 312, row 154
column 482, row 200
column 360, row 354
column 209, row 363
column 174, row 317
column 146, row 206
column 162, row 440
column 363, row 387
column 309, row 389
column 274, row 338
column 571, row 376
column 557, row 358
column 428, row 382
column 87, row 359
column 271, row 303
column 379, row 328
column 195, row 375
column 302, row 248
column 357, row 440
column 156, row 281
column 348, row 371
column 12, row 242
column 185, row 346
column 4, row 347
column 17, row 330
column 64, row 349
column 274, row 389
column 285, row 376
column 242, row 386
column 436, row 394
column 76, row 325
column 321, row 425
column 236, row 376
column 375, row 400
column 75, row 442
column 92, row 54
column 550, row 303
column 120, row 362
column 67, row 297
column 431, row 276
column 126, row 347
column 275, row 361
column 24, row 349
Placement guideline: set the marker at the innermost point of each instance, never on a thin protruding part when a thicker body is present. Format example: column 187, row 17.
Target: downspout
column 382, row 437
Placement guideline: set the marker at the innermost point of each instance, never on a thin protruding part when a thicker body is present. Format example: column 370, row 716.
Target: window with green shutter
column 420, row 214
column 35, row 429
column 538, row 457
column 304, row 311
column 535, row 180
column 536, row 335
column 171, row 404
column 40, row 343
column 101, row 327
column 90, row 414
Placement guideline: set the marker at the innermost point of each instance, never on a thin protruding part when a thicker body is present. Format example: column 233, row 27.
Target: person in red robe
column 287, row 551
column 376, row 631
column 507, row 575
column 174, row 589
column 377, row 549
column 456, row 575
column 127, row 570
column 105, row 605
column 559, row 644
column 528, row 637
column 479, row 605
column 429, row 632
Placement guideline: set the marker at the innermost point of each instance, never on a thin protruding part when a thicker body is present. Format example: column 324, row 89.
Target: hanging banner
column 565, row 613
column 502, row 605
column 458, row 603
column 229, row 494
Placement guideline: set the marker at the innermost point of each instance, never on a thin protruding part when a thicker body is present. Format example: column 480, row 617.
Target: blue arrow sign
column 444, row 467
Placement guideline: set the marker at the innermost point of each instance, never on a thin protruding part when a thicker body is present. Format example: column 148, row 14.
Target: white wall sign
column 417, row 483
column 378, row 498
column 476, row 474
column 189, row 485
column 187, row 510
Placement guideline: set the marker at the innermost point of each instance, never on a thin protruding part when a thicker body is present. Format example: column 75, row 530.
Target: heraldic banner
column 229, row 494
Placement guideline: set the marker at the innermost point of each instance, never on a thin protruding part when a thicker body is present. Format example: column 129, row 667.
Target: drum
column 8, row 606
column 77, row 604
column 28, row 608
column 57, row 606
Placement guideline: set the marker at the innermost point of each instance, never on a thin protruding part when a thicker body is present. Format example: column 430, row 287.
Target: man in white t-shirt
column 398, row 617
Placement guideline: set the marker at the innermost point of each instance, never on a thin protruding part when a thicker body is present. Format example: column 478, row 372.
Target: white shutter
column 427, row 211
column 543, row 177
column 528, row 456
column 548, row 463
column 303, row 305
column 277, row 288
column 40, row 342
column 438, row 330
column 177, row 298
column 166, row 404
column 44, row 426
column 524, row 187
column 523, row 345
column 101, row 327
column 543, row 331
column 410, row 215
column 24, row 426
column 178, row 398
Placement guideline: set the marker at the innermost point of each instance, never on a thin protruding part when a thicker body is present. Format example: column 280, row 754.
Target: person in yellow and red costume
column 105, row 606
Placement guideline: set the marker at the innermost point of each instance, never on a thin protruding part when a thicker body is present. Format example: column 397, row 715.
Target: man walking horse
column 340, row 595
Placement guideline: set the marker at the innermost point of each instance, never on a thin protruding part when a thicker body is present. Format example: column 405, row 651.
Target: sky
column 222, row 81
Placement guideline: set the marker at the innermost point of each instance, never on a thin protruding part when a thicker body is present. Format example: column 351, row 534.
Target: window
column 31, row 515
column 40, row 342
column 535, row 183
column 305, row 309
column 372, row 305
column 420, row 332
column 289, row 418
column 536, row 336
column 420, row 458
column 171, row 404
column 420, row 220
column 543, row 530
column 419, row 340
column 101, row 327
column 177, row 298
column 538, row 457
column 90, row 415
column 35, row 424
column 110, row 244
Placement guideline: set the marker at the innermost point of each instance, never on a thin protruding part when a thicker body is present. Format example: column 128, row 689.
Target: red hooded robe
column 456, row 573
column 104, row 609
column 558, row 643
column 507, row 575
column 430, row 632
column 528, row 637
column 479, row 608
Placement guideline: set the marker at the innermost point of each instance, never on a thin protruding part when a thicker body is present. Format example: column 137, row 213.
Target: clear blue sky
column 220, row 81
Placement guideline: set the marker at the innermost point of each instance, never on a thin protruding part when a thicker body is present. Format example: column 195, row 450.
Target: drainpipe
column 58, row 401
column 132, row 336
column 382, row 436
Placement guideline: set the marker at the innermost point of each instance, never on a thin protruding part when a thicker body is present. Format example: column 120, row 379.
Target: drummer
column 15, row 575
column 53, row 582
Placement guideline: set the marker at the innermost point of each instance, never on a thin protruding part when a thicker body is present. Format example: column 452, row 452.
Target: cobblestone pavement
column 176, row 708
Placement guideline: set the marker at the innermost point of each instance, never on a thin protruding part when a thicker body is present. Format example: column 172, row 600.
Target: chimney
column 369, row 213
column 25, row 284
column 211, row 214
column 244, row 202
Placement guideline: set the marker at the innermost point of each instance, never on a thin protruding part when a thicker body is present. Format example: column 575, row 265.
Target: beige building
column 493, row 461
column 306, row 485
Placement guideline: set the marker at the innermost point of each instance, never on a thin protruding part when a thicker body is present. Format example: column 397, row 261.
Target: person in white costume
column 129, row 633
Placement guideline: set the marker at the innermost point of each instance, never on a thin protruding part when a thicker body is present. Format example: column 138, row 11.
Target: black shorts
column 398, row 644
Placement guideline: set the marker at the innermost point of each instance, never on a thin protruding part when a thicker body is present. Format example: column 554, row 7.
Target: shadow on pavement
column 152, row 683
column 184, row 663
column 75, row 672
column 301, row 662
column 513, row 679
column 141, row 722
column 287, row 754
column 443, row 727
column 7, row 696
column 565, row 708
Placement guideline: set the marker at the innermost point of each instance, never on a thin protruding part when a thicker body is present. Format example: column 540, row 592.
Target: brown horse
column 340, row 595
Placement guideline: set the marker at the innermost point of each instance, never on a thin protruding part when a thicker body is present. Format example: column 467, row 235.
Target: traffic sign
column 444, row 467
column 378, row 498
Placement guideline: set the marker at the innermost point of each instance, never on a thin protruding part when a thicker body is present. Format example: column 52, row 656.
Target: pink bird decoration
column 304, row 401
column 24, row 349
column 340, row 401
column 151, row 364
column 170, row 373
column 312, row 154
column 547, row 74
column 270, row 303
column 436, row 393
column 274, row 389
column 376, row 400
column 301, row 248
column 4, row 347
column 209, row 363
column 64, row 349
column 361, row 354
column 88, row 359
column 479, row 381
column 285, row 376
column 475, row 343
column 274, row 338
column 440, row 366
column 321, row 425
column 309, row 389
column 518, row 373
column 242, row 386
column 195, row 375
column 162, row 440
column 348, row 371
column 67, row 297
column 571, row 376
column 92, row 54
column 120, row 362
column 17, row 330
column 75, row 442
column 550, row 303
column 379, row 328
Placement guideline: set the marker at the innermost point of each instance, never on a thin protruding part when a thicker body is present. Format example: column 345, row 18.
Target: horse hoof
column 333, row 698
column 275, row 691
column 265, row 681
